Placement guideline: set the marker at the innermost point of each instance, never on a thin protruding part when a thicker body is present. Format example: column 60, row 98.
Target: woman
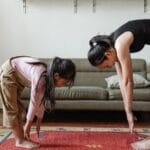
column 22, row 71
column 115, row 49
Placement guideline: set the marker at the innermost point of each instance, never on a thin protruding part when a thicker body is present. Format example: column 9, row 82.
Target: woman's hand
column 131, row 118
column 38, row 125
column 27, row 128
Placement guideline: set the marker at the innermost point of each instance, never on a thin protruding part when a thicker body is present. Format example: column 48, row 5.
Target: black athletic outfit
column 140, row 30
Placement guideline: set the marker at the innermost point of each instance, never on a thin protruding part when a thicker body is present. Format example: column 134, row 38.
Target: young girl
column 115, row 49
column 23, row 71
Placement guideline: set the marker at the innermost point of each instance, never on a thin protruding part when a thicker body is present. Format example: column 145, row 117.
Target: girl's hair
column 99, row 45
column 66, row 70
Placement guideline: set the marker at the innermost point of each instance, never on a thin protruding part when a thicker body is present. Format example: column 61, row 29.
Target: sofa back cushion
column 88, row 75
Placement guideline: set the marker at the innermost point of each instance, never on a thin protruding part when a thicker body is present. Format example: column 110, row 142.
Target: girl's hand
column 38, row 124
column 27, row 128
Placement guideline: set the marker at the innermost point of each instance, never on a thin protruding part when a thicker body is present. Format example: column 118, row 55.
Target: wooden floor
column 92, row 119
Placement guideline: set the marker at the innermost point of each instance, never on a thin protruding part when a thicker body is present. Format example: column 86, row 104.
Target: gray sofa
column 90, row 90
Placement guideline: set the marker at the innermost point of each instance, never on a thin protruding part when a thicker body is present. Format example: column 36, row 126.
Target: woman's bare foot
column 27, row 144
column 141, row 145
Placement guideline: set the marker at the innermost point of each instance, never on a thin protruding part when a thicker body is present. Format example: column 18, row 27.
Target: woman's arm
column 125, row 72
column 119, row 72
column 127, row 82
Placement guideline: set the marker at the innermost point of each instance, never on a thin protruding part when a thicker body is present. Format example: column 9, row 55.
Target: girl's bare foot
column 27, row 144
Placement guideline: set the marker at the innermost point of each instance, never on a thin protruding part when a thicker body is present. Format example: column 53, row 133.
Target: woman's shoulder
column 137, row 21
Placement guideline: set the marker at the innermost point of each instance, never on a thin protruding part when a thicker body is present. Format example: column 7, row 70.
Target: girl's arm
column 126, row 73
column 36, row 107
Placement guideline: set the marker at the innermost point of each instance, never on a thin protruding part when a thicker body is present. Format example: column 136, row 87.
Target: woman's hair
column 98, row 46
column 66, row 70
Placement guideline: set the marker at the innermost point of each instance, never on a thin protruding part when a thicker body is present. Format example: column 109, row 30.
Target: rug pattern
column 78, row 138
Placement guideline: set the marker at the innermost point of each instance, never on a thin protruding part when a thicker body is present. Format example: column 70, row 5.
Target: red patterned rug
column 55, row 140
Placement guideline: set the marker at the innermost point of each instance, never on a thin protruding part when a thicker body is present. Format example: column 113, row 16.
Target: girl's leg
column 20, row 140
column 12, row 113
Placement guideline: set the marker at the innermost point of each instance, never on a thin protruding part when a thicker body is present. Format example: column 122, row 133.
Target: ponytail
column 98, row 46
column 102, row 40
column 66, row 70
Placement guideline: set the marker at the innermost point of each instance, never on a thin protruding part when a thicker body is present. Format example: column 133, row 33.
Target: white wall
column 51, row 28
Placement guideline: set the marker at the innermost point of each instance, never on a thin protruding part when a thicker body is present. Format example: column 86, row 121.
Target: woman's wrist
column 29, row 122
column 129, row 111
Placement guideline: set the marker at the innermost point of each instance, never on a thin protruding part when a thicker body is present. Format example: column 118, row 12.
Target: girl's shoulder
column 27, row 60
column 29, row 66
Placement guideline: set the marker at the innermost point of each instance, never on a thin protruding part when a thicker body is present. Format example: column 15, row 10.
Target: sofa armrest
column 148, row 76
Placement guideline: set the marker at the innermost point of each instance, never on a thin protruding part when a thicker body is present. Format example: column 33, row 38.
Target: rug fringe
column 5, row 137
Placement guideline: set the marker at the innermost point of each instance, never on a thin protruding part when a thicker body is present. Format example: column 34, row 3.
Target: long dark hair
column 98, row 46
column 66, row 70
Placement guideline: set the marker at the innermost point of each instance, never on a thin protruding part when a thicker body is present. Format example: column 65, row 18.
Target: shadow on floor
column 93, row 116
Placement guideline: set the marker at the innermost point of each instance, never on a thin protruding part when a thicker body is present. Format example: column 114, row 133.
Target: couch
column 90, row 91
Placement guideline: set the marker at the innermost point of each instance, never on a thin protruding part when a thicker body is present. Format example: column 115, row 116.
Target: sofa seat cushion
column 142, row 94
column 81, row 93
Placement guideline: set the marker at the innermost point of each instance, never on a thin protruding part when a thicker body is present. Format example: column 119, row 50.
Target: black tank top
column 140, row 30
